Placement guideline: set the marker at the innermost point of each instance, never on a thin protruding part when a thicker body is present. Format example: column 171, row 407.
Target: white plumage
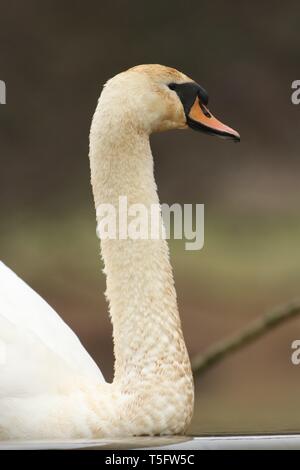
column 40, row 353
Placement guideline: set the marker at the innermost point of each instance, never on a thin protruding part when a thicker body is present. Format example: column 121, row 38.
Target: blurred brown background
column 54, row 57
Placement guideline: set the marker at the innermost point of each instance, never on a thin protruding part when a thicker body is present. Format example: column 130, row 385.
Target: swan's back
column 39, row 353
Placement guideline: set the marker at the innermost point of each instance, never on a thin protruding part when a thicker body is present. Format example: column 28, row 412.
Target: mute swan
column 49, row 386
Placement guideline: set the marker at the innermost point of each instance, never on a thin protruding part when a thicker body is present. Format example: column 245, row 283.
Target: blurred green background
column 54, row 57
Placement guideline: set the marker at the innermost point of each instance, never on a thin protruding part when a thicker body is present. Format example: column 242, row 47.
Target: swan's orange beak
column 199, row 118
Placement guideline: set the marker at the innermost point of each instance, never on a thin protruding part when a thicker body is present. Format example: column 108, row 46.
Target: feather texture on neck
column 150, row 353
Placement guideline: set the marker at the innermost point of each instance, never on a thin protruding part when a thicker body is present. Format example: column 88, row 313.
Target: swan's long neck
column 148, row 340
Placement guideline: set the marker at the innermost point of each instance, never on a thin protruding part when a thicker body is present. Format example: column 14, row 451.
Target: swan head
column 156, row 98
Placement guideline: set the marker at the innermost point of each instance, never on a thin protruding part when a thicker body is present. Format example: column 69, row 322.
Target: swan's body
column 49, row 385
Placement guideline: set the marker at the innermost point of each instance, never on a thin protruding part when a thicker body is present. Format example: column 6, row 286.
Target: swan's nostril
column 204, row 110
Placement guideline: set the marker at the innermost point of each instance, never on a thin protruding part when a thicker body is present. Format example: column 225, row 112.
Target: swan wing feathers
column 38, row 351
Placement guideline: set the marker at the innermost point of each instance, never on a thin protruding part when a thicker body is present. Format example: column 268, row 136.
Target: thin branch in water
column 247, row 335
